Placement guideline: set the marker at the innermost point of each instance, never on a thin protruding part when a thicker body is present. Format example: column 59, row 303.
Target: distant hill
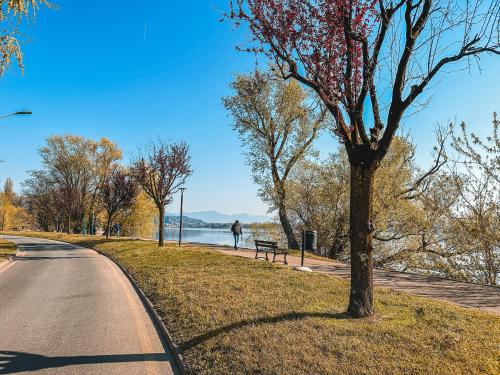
column 186, row 221
column 217, row 217
column 220, row 218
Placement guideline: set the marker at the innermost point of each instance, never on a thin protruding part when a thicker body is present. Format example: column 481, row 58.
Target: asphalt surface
column 68, row 310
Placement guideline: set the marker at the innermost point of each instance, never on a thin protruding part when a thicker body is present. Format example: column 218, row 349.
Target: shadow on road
column 25, row 258
column 14, row 362
column 48, row 247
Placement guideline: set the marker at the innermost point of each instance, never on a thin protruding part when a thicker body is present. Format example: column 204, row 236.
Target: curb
column 165, row 335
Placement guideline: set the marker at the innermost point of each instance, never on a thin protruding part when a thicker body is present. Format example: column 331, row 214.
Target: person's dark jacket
column 236, row 229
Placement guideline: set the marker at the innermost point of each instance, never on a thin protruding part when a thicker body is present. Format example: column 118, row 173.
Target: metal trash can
column 311, row 240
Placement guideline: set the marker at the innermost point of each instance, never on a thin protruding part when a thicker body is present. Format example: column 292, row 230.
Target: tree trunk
column 108, row 226
column 338, row 242
column 161, row 227
column 69, row 225
column 287, row 228
column 361, row 235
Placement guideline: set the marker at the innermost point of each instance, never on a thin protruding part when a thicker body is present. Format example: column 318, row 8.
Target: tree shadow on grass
column 264, row 320
column 14, row 362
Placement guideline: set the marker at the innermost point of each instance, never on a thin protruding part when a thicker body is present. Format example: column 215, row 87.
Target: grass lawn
column 232, row 315
column 6, row 249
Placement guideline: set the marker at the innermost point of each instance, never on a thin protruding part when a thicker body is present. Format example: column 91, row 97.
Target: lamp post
column 92, row 223
column 180, row 219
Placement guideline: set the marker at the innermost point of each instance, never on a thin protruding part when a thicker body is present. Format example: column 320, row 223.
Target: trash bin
column 311, row 240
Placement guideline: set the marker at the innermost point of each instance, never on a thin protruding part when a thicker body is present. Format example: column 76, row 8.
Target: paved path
column 465, row 294
column 68, row 310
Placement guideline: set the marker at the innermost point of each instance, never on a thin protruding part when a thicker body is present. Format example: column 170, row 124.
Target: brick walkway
column 464, row 294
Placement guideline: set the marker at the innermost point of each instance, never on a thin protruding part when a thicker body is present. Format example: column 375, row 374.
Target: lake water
column 203, row 235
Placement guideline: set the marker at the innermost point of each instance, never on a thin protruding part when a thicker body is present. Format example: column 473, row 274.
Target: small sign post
column 302, row 255
column 303, row 247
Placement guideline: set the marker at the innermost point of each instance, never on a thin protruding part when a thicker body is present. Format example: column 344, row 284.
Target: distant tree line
column 196, row 223
column 82, row 186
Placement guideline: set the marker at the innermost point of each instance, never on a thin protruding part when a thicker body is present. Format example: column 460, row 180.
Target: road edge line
column 167, row 337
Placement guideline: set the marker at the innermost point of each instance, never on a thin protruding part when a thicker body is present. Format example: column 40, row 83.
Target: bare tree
column 278, row 125
column 41, row 201
column 357, row 53
column 69, row 165
column 476, row 217
column 161, row 171
column 118, row 192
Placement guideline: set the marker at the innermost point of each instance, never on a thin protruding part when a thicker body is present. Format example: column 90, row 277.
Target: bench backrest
column 266, row 244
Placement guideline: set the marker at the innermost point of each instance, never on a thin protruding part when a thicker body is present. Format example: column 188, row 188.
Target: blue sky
column 159, row 68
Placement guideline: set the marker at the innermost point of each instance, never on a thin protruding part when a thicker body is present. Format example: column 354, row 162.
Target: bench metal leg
column 284, row 259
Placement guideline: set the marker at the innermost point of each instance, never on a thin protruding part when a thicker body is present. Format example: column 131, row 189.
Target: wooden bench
column 269, row 247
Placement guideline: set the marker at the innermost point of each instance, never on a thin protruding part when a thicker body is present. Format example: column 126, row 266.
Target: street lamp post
column 92, row 223
column 180, row 219
column 18, row 113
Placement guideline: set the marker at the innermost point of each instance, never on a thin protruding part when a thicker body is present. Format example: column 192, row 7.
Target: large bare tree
column 161, row 171
column 278, row 125
column 370, row 62
column 68, row 162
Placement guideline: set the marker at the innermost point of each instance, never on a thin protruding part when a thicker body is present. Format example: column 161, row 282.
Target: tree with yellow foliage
column 278, row 126
column 139, row 220
column 12, row 214
column 12, row 12
column 7, row 212
column 319, row 197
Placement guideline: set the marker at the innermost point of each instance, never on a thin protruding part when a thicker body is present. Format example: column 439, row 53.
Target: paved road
column 68, row 310
column 464, row 294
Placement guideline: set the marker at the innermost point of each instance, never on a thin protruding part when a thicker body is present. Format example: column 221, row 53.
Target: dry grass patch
column 7, row 249
column 232, row 315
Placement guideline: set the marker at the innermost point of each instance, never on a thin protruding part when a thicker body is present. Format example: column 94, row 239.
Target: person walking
column 237, row 233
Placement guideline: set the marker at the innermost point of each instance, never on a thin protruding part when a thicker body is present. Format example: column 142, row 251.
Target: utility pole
column 180, row 219
column 92, row 224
